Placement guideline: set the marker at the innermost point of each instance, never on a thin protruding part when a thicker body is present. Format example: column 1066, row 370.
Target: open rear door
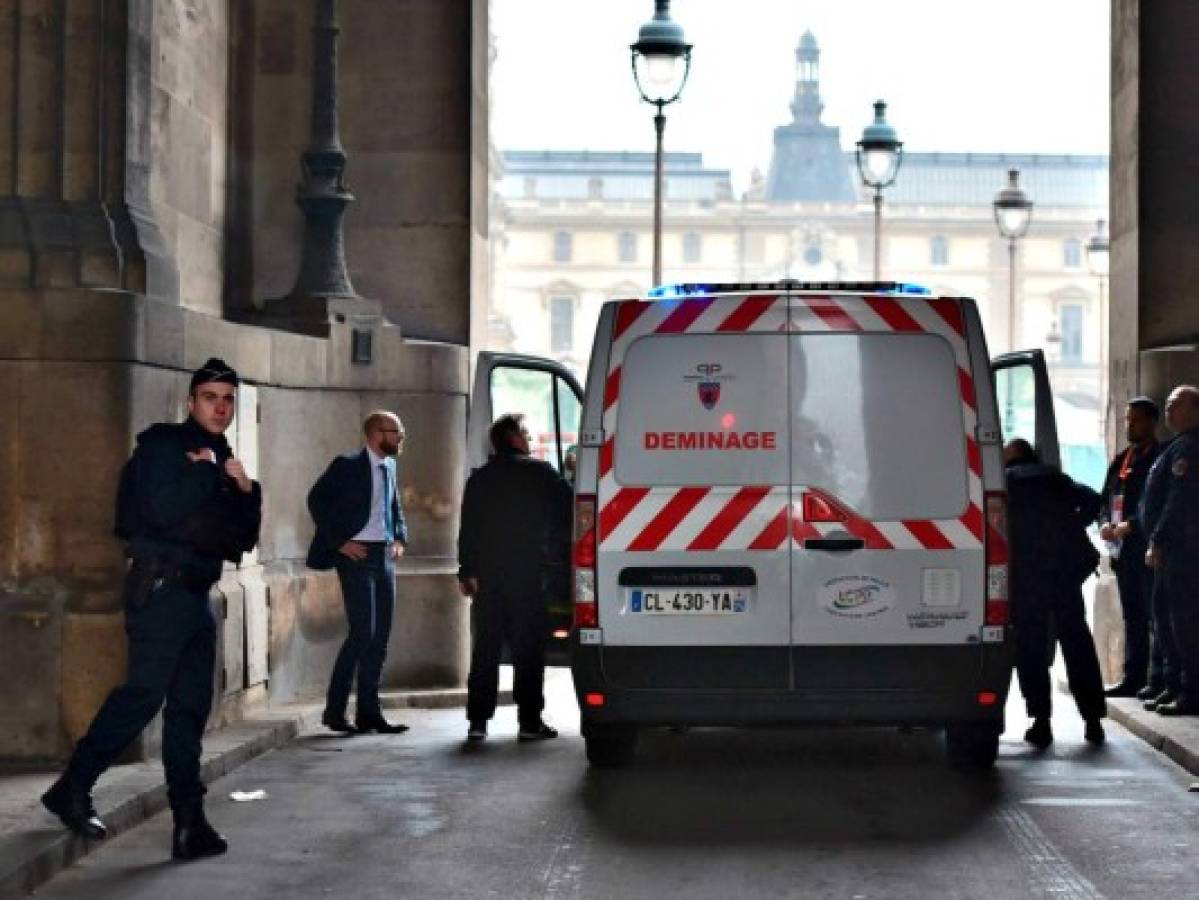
column 1025, row 402
column 551, row 400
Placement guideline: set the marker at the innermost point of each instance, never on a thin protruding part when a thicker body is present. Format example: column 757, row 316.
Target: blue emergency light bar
column 676, row 291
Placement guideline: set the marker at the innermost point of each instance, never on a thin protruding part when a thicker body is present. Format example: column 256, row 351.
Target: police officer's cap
column 214, row 370
column 1146, row 405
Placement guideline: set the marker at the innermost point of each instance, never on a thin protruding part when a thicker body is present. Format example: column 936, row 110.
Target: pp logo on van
column 856, row 596
column 708, row 379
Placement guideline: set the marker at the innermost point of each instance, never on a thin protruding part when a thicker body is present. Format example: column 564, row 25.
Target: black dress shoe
column 1167, row 696
column 338, row 723
column 73, row 806
column 1180, row 706
column 1149, row 691
column 379, row 725
column 538, row 732
column 1040, row 735
column 1094, row 732
column 1123, row 689
column 194, row 837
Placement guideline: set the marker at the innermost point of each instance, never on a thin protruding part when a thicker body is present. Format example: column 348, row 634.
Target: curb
column 30, row 858
column 1172, row 737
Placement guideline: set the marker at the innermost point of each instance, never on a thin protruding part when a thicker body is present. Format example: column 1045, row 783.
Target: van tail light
column 586, row 613
column 997, row 558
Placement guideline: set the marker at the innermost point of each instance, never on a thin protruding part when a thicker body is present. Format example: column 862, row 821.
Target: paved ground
column 710, row 813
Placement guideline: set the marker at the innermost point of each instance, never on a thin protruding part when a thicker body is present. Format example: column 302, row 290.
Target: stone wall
column 406, row 121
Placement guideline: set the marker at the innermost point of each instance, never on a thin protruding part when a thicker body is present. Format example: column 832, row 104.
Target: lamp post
column 1098, row 260
column 661, row 64
column 1013, row 215
column 879, row 153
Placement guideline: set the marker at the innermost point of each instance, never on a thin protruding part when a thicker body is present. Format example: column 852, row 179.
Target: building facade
column 574, row 229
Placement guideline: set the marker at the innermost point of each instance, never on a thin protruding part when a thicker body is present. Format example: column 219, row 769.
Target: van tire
column 611, row 747
column 973, row 746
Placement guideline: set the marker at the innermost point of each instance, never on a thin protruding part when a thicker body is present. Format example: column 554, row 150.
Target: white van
column 790, row 508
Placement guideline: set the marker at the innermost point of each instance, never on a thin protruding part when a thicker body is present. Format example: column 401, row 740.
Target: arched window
column 938, row 250
column 563, row 246
column 627, row 247
column 562, row 324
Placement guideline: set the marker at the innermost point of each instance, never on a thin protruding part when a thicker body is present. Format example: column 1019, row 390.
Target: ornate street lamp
column 879, row 154
column 1013, row 215
column 661, row 64
column 1098, row 261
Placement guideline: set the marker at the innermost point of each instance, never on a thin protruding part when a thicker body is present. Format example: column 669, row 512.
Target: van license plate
column 656, row 601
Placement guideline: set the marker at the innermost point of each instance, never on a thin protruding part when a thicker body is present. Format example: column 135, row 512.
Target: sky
column 1020, row 76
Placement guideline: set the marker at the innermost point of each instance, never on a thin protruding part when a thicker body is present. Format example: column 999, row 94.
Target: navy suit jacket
column 340, row 504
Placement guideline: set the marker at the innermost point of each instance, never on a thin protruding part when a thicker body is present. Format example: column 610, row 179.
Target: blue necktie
column 388, row 513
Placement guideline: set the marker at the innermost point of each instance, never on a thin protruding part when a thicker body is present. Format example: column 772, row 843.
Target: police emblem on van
column 707, row 378
column 709, row 393
column 856, row 596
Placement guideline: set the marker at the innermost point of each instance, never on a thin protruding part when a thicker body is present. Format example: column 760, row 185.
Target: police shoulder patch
column 1179, row 468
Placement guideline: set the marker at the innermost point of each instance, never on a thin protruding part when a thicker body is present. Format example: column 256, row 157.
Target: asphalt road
column 709, row 813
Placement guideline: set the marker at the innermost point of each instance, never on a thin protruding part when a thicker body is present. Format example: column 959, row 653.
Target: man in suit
column 360, row 532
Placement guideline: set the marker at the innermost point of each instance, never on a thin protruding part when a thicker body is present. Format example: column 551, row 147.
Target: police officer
column 185, row 505
column 1122, row 490
column 515, row 527
column 1174, row 543
column 1051, row 557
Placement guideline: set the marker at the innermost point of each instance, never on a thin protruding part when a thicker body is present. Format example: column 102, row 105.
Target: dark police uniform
column 1165, row 667
column 182, row 520
column 1176, row 534
column 1047, row 515
column 1122, row 491
column 515, row 520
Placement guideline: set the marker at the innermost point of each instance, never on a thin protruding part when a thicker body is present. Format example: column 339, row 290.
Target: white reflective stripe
column 696, row 521
column 958, row 534
column 638, row 517
column 900, row 537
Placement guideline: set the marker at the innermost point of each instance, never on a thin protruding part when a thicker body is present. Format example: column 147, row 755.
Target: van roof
column 675, row 291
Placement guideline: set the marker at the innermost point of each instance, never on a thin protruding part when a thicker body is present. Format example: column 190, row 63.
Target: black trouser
column 1039, row 616
column 1182, row 579
column 1135, row 580
column 1165, row 667
column 172, row 655
column 515, row 614
column 368, row 589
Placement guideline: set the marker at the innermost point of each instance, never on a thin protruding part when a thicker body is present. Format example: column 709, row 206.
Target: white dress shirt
column 376, row 528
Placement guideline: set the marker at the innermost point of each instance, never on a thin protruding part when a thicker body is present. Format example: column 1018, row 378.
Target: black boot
column 194, row 837
column 72, row 804
column 1040, row 735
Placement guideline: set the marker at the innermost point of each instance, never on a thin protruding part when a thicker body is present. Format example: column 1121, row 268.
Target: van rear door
column 1025, row 400
column 886, row 482
column 550, row 398
column 692, row 570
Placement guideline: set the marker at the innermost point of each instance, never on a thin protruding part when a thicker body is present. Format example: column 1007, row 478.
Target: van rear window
column 874, row 419
column 703, row 409
column 877, row 422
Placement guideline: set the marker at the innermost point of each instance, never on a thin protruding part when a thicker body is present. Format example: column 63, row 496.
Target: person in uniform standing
column 1051, row 556
column 1122, row 491
column 361, row 532
column 185, row 506
column 1174, row 543
column 515, row 525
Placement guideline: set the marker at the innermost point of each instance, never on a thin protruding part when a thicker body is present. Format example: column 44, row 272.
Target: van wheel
column 611, row 747
column 974, row 746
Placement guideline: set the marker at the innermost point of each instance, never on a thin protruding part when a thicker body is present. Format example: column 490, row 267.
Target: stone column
column 1155, row 192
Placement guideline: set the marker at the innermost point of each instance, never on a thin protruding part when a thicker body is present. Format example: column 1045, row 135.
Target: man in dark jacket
column 360, row 531
column 1122, row 491
column 1174, row 543
column 1051, row 556
column 515, row 526
column 185, row 505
